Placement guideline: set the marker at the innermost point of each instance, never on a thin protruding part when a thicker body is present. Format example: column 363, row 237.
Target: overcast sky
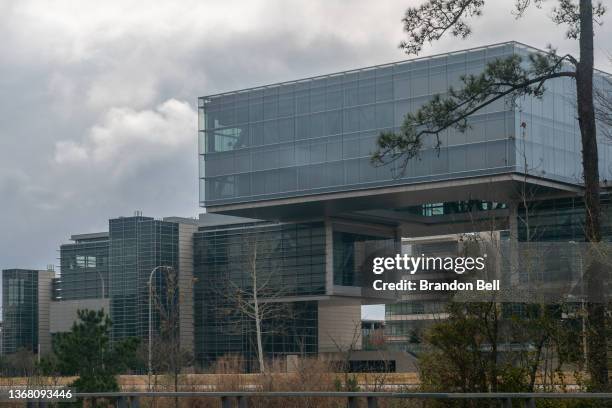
column 97, row 99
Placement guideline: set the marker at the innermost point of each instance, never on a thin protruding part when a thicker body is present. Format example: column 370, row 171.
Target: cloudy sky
column 97, row 99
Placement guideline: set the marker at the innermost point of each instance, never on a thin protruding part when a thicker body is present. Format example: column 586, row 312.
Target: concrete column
column 339, row 325
column 44, row 304
column 185, row 283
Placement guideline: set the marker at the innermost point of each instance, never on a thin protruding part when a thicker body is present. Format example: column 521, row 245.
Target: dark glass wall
column 19, row 310
column 138, row 245
column 560, row 220
column 353, row 256
column 288, row 260
column 84, row 269
column 551, row 234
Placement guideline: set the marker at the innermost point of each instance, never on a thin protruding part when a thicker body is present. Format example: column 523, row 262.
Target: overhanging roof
column 500, row 188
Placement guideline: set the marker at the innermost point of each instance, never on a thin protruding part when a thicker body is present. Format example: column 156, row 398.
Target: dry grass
column 309, row 374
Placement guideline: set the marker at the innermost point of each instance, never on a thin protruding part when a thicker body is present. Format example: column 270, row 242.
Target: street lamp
column 150, row 317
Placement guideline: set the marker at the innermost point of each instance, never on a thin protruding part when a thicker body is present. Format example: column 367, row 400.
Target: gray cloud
column 97, row 100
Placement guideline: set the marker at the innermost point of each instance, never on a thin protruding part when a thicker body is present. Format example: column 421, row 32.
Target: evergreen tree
column 86, row 351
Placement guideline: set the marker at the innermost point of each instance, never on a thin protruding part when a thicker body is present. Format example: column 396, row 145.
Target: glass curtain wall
column 288, row 261
column 317, row 135
column 84, row 269
column 137, row 245
column 19, row 310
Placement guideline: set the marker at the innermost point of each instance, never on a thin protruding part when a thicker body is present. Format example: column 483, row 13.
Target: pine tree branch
column 503, row 78
column 430, row 21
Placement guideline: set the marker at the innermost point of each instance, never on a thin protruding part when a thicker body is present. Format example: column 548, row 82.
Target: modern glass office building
column 84, row 267
column 111, row 270
column 317, row 299
column 289, row 262
column 301, row 150
column 297, row 155
column 84, row 281
column 315, row 137
column 20, row 309
column 26, row 295
column 137, row 245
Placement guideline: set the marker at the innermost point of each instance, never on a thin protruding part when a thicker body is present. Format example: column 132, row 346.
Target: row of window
column 556, row 103
column 421, row 76
column 453, row 160
column 219, row 335
column 226, row 137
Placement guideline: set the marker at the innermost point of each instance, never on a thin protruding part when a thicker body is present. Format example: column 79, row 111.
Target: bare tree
column 169, row 356
column 347, row 351
column 22, row 363
column 258, row 296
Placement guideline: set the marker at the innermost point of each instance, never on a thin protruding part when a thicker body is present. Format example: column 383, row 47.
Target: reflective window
column 293, row 254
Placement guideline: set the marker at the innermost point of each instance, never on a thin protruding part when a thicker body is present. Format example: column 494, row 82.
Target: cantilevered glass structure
column 273, row 148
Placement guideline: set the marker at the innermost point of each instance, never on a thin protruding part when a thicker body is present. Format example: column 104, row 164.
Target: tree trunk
column 257, row 313
column 259, row 342
column 593, row 278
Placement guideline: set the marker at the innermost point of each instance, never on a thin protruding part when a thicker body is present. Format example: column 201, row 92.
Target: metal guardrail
column 240, row 398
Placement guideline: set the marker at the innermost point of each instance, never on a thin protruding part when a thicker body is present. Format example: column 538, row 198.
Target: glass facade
column 406, row 320
column 19, row 310
column 550, row 254
column 84, row 269
column 137, row 245
column 290, row 258
column 561, row 220
column 317, row 135
column 548, row 140
column 353, row 254
column 552, row 241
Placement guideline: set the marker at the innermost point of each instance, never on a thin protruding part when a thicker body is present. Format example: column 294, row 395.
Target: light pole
column 150, row 318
